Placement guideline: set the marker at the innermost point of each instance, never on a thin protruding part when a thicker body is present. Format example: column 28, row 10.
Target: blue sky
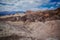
column 23, row 5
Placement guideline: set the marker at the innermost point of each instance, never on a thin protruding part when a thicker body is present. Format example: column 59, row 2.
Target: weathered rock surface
column 49, row 30
column 31, row 26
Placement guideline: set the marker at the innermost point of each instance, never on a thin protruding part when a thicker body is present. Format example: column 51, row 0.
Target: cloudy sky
column 23, row 5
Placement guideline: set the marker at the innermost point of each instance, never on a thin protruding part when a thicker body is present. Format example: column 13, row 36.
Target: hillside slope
column 39, row 25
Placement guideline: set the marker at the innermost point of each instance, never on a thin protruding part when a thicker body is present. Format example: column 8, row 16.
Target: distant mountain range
column 10, row 12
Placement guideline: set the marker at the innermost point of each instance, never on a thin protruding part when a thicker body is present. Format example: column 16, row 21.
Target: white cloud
column 8, row 1
column 30, row 3
column 7, row 8
column 51, row 8
column 23, row 5
column 58, row 3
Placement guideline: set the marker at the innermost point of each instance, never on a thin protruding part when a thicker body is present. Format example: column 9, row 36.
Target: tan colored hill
column 38, row 25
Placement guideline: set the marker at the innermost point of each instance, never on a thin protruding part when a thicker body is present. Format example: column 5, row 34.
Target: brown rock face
column 33, row 16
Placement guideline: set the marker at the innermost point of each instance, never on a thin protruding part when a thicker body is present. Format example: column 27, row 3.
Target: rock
column 5, row 29
column 33, row 31
column 37, row 25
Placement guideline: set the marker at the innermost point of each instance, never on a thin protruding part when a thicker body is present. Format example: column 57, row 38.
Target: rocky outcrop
column 32, row 16
column 14, row 18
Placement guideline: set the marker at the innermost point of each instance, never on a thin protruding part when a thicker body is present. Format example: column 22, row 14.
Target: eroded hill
column 39, row 25
column 35, row 16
